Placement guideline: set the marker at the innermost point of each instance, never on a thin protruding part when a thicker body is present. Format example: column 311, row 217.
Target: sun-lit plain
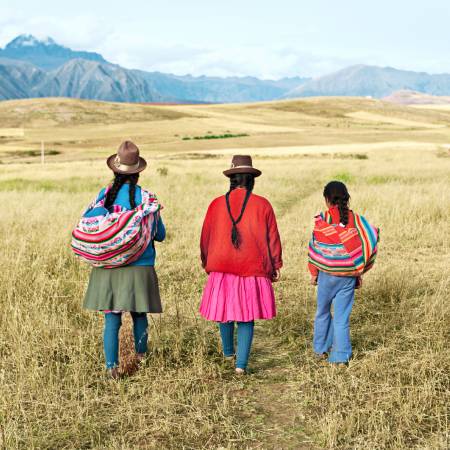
column 396, row 163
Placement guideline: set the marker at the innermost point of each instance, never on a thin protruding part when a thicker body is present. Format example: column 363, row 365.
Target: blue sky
column 268, row 39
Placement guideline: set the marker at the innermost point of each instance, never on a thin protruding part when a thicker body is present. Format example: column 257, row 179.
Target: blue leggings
column 244, row 341
column 113, row 321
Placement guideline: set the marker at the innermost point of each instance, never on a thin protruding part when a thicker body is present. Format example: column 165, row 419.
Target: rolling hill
column 405, row 97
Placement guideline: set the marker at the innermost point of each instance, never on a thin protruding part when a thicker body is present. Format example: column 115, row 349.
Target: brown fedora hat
column 127, row 160
column 242, row 164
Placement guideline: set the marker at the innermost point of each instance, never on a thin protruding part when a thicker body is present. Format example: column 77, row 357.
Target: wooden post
column 42, row 153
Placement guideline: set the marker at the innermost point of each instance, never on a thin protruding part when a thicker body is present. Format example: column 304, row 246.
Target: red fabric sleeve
column 273, row 239
column 204, row 239
column 313, row 270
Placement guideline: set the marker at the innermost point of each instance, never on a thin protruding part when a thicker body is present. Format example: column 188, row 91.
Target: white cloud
column 81, row 32
column 137, row 45
column 263, row 62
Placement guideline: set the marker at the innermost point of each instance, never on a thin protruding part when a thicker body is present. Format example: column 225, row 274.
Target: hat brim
column 110, row 162
column 252, row 171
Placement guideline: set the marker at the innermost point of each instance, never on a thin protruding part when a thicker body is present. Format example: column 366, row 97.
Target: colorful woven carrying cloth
column 343, row 251
column 116, row 238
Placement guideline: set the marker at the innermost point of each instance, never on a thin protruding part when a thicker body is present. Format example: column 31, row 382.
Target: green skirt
column 128, row 288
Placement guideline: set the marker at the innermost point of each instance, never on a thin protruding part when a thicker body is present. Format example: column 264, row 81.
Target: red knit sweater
column 260, row 250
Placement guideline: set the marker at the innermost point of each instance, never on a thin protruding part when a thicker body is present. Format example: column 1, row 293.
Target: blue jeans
column 113, row 322
column 334, row 332
column 244, row 341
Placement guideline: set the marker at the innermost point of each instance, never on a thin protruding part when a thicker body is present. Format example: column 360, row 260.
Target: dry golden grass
column 394, row 395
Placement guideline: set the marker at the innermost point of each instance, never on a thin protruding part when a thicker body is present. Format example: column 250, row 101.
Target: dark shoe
column 339, row 364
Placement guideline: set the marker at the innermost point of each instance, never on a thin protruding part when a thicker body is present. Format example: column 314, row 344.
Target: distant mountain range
column 361, row 80
column 45, row 54
column 30, row 67
column 41, row 68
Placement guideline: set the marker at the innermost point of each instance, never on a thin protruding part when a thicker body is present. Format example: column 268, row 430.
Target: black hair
column 336, row 193
column 119, row 180
column 247, row 181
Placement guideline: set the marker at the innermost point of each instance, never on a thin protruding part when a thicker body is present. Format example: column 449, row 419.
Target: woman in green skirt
column 133, row 287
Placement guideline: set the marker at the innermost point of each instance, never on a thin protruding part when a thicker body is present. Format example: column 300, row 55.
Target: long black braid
column 119, row 181
column 336, row 193
column 247, row 181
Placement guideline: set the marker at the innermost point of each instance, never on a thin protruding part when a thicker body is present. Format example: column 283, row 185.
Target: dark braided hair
column 247, row 181
column 336, row 193
column 119, row 180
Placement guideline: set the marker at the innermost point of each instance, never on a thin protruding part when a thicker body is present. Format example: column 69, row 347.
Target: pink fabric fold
column 228, row 297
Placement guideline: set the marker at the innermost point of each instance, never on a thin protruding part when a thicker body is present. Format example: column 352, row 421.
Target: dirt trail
column 268, row 395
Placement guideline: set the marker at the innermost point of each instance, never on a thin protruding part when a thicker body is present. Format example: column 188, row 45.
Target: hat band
column 124, row 167
column 241, row 167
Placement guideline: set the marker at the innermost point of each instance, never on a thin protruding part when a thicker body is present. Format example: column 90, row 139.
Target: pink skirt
column 229, row 297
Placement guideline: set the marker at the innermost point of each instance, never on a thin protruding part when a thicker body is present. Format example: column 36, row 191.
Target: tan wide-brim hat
column 127, row 160
column 242, row 164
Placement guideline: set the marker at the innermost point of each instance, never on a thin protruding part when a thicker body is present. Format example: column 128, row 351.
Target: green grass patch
column 32, row 153
column 70, row 185
column 215, row 136
column 345, row 177
column 195, row 156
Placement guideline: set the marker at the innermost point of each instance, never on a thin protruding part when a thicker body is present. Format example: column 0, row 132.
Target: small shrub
column 163, row 171
column 443, row 153
column 33, row 153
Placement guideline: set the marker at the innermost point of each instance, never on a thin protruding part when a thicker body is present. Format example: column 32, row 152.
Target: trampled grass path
column 272, row 395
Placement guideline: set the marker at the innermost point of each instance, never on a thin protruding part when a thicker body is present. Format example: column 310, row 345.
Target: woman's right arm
column 273, row 239
column 160, row 230
column 204, row 239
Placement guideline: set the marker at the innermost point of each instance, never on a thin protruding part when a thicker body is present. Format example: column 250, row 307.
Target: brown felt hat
column 242, row 164
column 127, row 160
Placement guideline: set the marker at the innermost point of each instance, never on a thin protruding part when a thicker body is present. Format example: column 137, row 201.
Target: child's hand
column 276, row 276
column 359, row 283
column 313, row 280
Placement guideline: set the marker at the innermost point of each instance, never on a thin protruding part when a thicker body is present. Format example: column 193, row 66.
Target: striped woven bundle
column 343, row 251
column 116, row 238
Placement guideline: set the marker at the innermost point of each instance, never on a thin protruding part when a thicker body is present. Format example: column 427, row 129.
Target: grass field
column 395, row 393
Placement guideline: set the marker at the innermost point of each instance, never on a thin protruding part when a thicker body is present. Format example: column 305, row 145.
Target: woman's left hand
column 276, row 276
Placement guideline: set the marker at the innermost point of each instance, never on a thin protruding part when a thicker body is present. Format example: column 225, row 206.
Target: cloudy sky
column 264, row 38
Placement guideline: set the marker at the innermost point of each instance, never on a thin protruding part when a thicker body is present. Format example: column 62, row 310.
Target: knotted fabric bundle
column 118, row 237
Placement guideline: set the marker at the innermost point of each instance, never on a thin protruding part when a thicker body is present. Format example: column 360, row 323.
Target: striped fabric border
column 336, row 258
column 119, row 237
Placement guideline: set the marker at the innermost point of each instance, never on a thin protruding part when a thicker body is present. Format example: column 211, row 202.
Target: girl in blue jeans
column 343, row 246
column 333, row 333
